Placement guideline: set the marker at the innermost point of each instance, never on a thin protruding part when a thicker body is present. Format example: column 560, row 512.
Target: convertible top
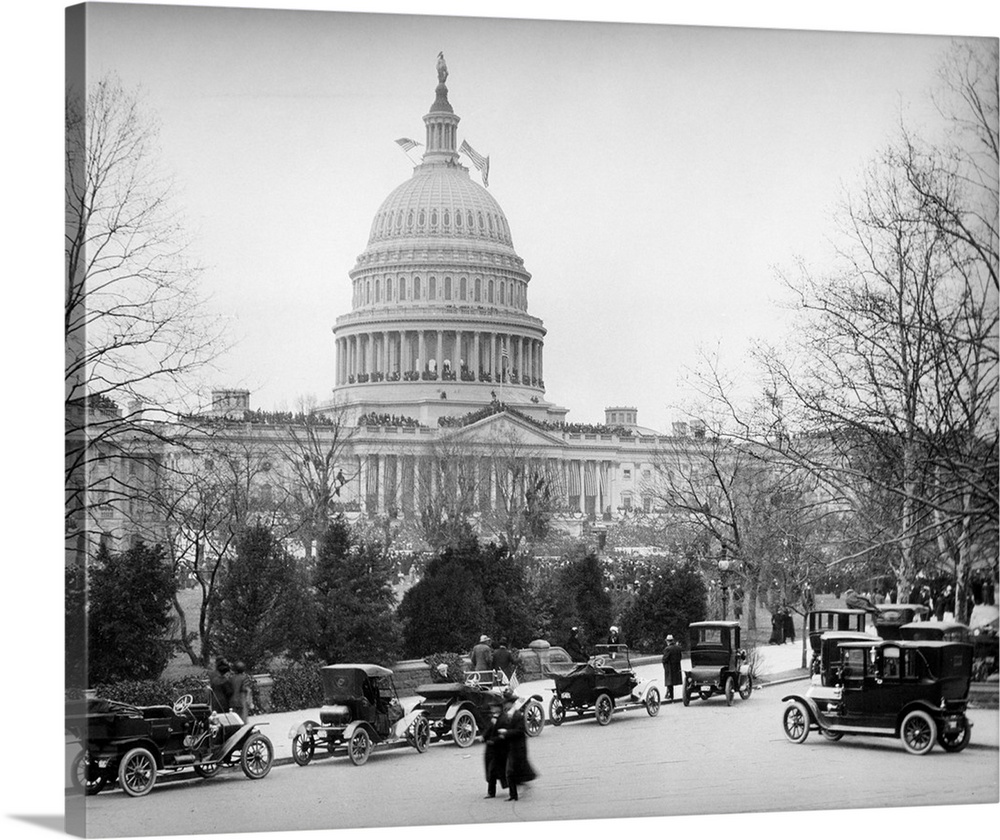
column 370, row 670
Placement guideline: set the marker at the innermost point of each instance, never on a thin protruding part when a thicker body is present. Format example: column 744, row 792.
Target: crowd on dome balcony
column 375, row 418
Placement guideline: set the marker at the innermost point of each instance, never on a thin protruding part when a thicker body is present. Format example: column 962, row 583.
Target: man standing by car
column 222, row 688
column 482, row 655
column 671, row 668
column 503, row 659
column 574, row 646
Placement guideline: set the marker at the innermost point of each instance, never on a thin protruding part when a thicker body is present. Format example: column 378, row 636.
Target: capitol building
column 440, row 360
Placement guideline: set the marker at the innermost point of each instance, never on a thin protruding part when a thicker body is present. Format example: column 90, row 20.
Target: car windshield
column 613, row 656
column 710, row 637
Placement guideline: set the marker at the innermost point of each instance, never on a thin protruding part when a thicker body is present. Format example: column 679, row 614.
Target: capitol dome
column 439, row 321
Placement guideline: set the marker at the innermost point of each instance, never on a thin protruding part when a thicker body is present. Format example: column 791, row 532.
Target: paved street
column 708, row 758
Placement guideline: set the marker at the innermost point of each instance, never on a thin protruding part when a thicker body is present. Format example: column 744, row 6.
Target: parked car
column 935, row 631
column 361, row 711
column 985, row 647
column 890, row 617
column 828, row 667
column 133, row 745
column 915, row 691
column 604, row 684
column 819, row 622
column 460, row 710
column 718, row 663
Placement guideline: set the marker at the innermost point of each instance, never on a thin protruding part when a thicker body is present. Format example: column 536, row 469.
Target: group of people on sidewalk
column 231, row 688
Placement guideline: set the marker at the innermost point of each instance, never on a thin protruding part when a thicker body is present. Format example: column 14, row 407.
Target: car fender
column 404, row 724
column 353, row 727
column 124, row 745
column 642, row 689
column 304, row 728
column 815, row 715
column 237, row 738
column 918, row 705
column 455, row 708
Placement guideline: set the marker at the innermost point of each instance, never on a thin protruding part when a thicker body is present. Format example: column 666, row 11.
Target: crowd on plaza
column 375, row 418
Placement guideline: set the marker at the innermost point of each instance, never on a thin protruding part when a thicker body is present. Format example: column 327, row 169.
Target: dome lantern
column 441, row 122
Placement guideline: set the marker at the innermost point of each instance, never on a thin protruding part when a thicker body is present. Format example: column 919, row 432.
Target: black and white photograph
column 486, row 420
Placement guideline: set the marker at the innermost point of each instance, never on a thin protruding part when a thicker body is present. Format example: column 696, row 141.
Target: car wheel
column 746, row 686
column 604, row 708
column 795, row 722
column 831, row 736
column 653, row 702
column 918, row 732
column 955, row 741
column 557, row 711
column 303, row 749
column 463, row 728
column 87, row 776
column 730, row 690
column 686, row 694
column 256, row 756
column 359, row 747
column 137, row 772
column 534, row 718
column 421, row 734
column 704, row 693
column 206, row 771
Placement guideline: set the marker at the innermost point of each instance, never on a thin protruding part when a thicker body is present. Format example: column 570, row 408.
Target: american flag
column 481, row 163
column 406, row 144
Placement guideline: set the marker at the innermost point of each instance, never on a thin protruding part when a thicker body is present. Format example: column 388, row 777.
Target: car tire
column 256, row 756
column 686, row 694
column 206, row 771
column 87, row 776
column 421, row 734
column 534, row 718
column 463, row 729
column 954, row 743
column 557, row 711
column 918, row 732
column 730, row 690
column 604, row 709
column 137, row 772
column 746, row 686
column 359, row 747
column 795, row 722
column 303, row 749
column 653, row 702
column 833, row 737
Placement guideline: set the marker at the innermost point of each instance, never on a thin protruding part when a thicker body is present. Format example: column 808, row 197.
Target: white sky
column 653, row 176
column 710, row 236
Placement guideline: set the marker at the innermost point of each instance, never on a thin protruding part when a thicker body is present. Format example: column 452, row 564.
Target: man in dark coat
column 495, row 757
column 482, row 655
column 574, row 646
column 503, row 659
column 671, row 668
column 222, row 688
column 510, row 728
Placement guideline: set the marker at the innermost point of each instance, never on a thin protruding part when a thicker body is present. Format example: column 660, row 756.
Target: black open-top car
column 718, row 663
column 603, row 684
column 916, row 691
column 462, row 709
column 361, row 711
column 133, row 744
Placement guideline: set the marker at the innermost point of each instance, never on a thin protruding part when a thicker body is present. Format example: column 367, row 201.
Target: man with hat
column 510, row 744
column 222, row 688
column 671, row 668
column 482, row 655
column 574, row 646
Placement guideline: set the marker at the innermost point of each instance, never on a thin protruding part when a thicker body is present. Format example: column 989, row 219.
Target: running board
column 861, row 730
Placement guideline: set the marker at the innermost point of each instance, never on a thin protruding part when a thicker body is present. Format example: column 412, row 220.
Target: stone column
column 422, row 351
column 583, row 488
column 456, row 357
column 380, row 498
column 440, row 351
column 475, row 357
column 493, row 355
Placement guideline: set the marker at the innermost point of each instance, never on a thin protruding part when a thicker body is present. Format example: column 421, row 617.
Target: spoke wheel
column 463, row 728
column 534, row 718
column 955, row 741
column 421, row 734
column 795, row 722
column 557, row 711
column 730, row 690
column 87, row 775
column 137, row 772
column 746, row 686
column 256, row 756
column 359, row 747
column 653, row 702
column 303, row 749
column 918, row 732
column 604, row 708
column 686, row 694
column 831, row 736
column 206, row 771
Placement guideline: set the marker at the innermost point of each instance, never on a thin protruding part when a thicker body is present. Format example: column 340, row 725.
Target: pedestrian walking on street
column 495, row 757
column 222, row 688
column 511, row 729
column 777, row 628
column 482, row 655
column 671, row 668
column 788, row 625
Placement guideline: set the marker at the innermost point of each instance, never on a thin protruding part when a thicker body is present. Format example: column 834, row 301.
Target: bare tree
column 135, row 325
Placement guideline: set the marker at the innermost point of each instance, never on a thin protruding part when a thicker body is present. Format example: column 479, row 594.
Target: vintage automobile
column 916, row 691
column 605, row 683
column 134, row 744
column 460, row 710
column 985, row 648
column 827, row 669
column 890, row 617
column 361, row 711
column 819, row 622
column 935, row 631
column 718, row 664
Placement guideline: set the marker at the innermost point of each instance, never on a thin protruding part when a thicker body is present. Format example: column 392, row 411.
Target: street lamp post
column 724, row 565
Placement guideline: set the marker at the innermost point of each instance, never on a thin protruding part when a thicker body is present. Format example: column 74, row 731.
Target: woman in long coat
column 510, row 728
column 495, row 757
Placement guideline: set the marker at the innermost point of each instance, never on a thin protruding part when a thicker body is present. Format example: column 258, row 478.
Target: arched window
column 368, row 291
column 490, row 220
column 447, row 219
column 409, row 219
column 422, row 219
column 468, row 217
column 447, row 288
column 399, row 219
column 510, row 295
column 416, row 288
column 432, row 291
column 489, row 293
column 434, row 218
column 479, row 289
column 463, row 287
column 388, row 289
column 378, row 290
column 402, row 288
column 503, row 292
column 458, row 219
column 482, row 224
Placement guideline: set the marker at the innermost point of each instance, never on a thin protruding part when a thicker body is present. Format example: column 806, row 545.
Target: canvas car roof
column 714, row 624
column 943, row 625
column 902, row 643
column 370, row 670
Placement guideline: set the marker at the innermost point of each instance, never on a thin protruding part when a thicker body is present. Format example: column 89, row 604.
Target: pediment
column 506, row 429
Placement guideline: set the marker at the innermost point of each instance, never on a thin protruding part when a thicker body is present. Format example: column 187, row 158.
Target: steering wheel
column 472, row 678
column 182, row 704
column 599, row 662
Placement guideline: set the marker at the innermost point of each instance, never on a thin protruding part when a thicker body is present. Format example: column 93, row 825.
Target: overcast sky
column 654, row 177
